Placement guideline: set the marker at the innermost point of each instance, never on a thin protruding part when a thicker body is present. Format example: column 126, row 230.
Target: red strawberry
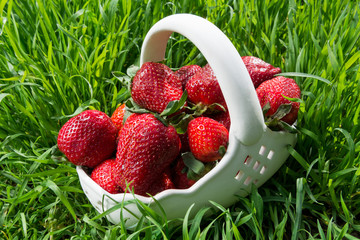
column 118, row 116
column 223, row 118
column 186, row 72
column 104, row 174
column 184, row 138
column 181, row 180
column 146, row 148
column 259, row 70
column 203, row 88
column 88, row 138
column 161, row 184
column 154, row 86
column 206, row 137
column 273, row 91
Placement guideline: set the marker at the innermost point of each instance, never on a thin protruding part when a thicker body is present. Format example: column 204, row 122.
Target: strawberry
column 184, row 138
column 207, row 139
column 146, row 148
column 272, row 92
column 186, row 72
column 203, row 88
column 88, row 138
column 259, row 70
column 154, row 86
column 223, row 118
column 181, row 179
column 104, row 175
column 118, row 116
column 161, row 184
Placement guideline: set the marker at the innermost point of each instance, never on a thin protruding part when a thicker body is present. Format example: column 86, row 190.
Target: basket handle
column 247, row 122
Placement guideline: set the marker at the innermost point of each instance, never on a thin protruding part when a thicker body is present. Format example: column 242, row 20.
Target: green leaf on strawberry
column 126, row 79
column 132, row 107
column 194, row 168
column 192, row 163
column 199, row 109
column 222, row 150
column 215, row 108
column 180, row 122
column 196, row 109
column 174, row 106
column 123, row 78
column 132, row 70
column 266, row 108
column 126, row 115
column 281, row 112
column 161, row 119
column 274, row 121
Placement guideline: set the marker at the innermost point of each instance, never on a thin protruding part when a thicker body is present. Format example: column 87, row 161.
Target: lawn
column 58, row 58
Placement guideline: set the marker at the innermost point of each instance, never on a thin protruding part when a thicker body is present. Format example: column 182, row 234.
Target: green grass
column 58, row 58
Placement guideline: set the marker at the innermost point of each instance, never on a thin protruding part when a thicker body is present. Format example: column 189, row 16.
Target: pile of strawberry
column 172, row 131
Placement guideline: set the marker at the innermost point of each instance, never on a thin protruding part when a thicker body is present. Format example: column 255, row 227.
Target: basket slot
column 256, row 165
column 247, row 181
column 270, row 155
column 262, row 150
column 239, row 175
column 248, row 160
column 262, row 170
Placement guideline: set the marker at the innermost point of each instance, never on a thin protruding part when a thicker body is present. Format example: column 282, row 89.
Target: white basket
column 254, row 152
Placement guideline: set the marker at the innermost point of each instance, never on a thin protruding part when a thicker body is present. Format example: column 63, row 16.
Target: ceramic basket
column 254, row 152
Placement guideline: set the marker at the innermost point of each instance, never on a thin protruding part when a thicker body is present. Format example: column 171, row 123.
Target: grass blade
column 50, row 184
